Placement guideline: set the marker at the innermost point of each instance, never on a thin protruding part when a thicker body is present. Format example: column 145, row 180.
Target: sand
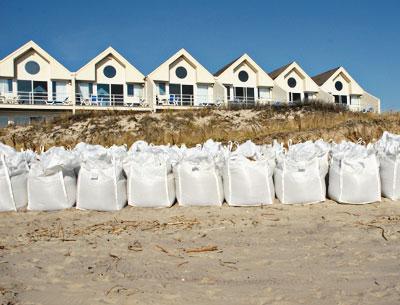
column 309, row 254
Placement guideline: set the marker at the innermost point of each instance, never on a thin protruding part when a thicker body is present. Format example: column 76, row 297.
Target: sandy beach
column 308, row 254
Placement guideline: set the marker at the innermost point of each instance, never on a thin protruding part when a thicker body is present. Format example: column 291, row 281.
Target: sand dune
column 313, row 254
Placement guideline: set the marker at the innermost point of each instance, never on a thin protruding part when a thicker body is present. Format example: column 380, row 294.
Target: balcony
column 187, row 100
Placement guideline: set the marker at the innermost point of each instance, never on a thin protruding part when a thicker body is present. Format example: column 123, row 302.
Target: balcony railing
column 110, row 100
column 34, row 98
column 187, row 100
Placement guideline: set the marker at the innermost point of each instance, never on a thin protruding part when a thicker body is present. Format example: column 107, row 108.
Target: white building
column 297, row 84
column 30, row 76
column 109, row 80
column 181, row 81
column 246, row 82
column 346, row 91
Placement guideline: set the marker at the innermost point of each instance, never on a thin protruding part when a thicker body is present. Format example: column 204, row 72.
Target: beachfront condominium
column 30, row 76
column 109, row 80
column 245, row 82
column 32, row 79
column 346, row 91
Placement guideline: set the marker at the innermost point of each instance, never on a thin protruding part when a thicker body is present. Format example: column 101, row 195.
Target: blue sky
column 362, row 36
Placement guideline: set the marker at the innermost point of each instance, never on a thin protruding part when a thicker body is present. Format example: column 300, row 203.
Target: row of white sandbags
column 203, row 175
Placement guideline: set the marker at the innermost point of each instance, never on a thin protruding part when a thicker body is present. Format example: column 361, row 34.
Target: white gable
column 257, row 76
column 304, row 83
column 196, row 73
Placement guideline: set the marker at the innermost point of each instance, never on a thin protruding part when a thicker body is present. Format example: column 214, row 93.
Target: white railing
column 187, row 100
column 110, row 100
column 34, row 98
column 246, row 100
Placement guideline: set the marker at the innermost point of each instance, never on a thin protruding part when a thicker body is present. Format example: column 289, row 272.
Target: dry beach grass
column 262, row 125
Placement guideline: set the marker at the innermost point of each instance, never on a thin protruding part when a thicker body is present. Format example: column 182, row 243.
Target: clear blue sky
column 362, row 36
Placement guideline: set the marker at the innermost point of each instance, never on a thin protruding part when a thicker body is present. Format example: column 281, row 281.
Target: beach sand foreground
column 310, row 254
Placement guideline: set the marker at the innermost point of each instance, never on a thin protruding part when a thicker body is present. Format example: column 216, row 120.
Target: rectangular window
column 264, row 93
column 239, row 94
column 336, row 99
column 130, row 90
column 344, row 99
column 161, row 89
column 175, row 89
column 138, row 90
column 187, row 94
column 90, row 88
column 250, row 95
column 5, row 85
column 296, row 97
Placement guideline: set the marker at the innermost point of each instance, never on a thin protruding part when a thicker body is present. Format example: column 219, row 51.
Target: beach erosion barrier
column 93, row 177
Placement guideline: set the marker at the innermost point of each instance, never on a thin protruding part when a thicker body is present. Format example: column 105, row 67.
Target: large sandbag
column 247, row 175
column 14, row 170
column 300, row 173
column 150, row 178
column 198, row 177
column 388, row 150
column 101, row 182
column 52, row 180
column 354, row 174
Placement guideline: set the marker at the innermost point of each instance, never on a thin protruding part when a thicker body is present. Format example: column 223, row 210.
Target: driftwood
column 202, row 249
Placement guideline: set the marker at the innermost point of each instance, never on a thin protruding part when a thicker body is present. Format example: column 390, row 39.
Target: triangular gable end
column 58, row 71
column 161, row 73
column 88, row 71
column 263, row 78
column 355, row 87
column 310, row 85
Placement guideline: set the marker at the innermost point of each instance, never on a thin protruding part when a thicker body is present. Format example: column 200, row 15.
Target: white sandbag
column 52, row 180
column 354, row 174
column 13, row 179
column 150, row 178
column 300, row 173
column 247, row 175
column 388, row 150
column 198, row 177
column 101, row 182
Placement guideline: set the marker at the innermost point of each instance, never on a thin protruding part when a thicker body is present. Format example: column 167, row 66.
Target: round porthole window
column 243, row 76
column 109, row 71
column 291, row 82
column 181, row 72
column 338, row 86
column 32, row 67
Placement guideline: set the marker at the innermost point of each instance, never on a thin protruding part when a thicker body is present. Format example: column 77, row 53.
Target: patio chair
column 96, row 101
column 11, row 98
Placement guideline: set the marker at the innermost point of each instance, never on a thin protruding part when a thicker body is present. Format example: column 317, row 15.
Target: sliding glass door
column 32, row 92
column 181, row 94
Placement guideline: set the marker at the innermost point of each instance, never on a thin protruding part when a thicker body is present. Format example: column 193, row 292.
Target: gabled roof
column 323, row 78
column 320, row 79
column 220, row 71
column 88, row 71
column 274, row 74
column 281, row 73
column 162, row 71
column 7, row 63
column 225, row 74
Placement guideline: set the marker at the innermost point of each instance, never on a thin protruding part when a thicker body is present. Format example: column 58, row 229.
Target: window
column 340, row 99
column 264, row 93
column 5, row 85
column 250, row 94
column 344, row 99
column 243, row 76
column 32, row 67
column 109, row 71
column 130, row 90
column 239, row 93
column 338, row 86
column 161, row 89
column 228, row 92
column 175, row 89
column 355, row 100
column 181, row 72
column 291, row 82
column 60, row 93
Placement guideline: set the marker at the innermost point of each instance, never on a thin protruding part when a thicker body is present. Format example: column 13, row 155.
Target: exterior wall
column 251, row 82
column 368, row 100
column 219, row 93
column 119, row 78
column 191, row 77
column 325, row 96
column 279, row 95
column 150, row 90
